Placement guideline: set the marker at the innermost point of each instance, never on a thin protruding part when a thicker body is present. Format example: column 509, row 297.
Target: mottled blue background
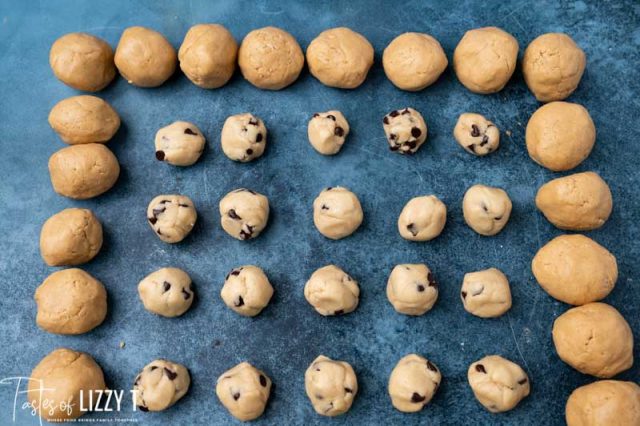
column 288, row 335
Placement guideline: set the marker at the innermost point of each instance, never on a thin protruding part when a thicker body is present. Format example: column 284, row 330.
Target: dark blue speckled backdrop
column 284, row 339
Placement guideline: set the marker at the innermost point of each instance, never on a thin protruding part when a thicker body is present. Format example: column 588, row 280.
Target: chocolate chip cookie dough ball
column 244, row 137
column 337, row 212
column 412, row 289
column 497, row 383
column 485, row 59
column 413, row 383
column 172, row 217
column 405, row 130
column 476, row 134
column 244, row 213
column 340, row 57
column 144, row 57
column 330, row 385
column 486, row 294
column 422, row 218
column 62, row 382
column 84, row 119
column 552, row 66
column 605, row 402
column 594, row 339
column 486, row 210
column 208, row 55
column 331, row 291
column 244, row 391
column 180, row 143
column 247, row 290
column 82, row 61
column 160, row 384
column 70, row 237
column 166, row 292
column 327, row 132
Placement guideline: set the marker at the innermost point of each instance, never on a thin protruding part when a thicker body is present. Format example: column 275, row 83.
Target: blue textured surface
column 285, row 338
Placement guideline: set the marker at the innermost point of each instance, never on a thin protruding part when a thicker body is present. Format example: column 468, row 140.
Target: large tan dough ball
column 70, row 237
column 605, row 402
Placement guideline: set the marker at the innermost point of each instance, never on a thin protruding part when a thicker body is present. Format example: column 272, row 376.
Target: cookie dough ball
column 412, row 289
column 422, row 218
column 172, row 217
column 244, row 391
column 84, row 119
column 83, row 171
column 337, row 212
column 497, row 383
column 605, row 402
column 82, row 61
column 180, row 143
column 63, row 381
column 413, row 382
column 144, row 57
column 405, row 130
column 70, row 237
column 160, row 384
column 327, row 132
column 486, row 294
column 166, row 292
column 340, row 57
column 476, row 134
column 330, row 385
column 244, row 213
column 246, row 290
column 208, row 55
column 244, row 137
column 552, row 66
column 579, row 202
column 485, row 59
column 486, row 210
column 560, row 135
column 331, row 291
column 575, row 269
column 594, row 339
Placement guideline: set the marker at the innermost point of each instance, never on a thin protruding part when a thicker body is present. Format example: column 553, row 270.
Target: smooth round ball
column 412, row 289
column 497, row 383
column 180, row 143
column 160, row 384
column 422, row 218
column 244, row 213
column 172, row 217
column 337, row 212
column 166, row 292
column 605, row 402
column 486, row 209
column 486, row 294
column 70, row 237
column 413, row 383
column 244, row 137
column 405, row 130
column 144, row 57
column 84, row 119
column 331, row 291
column 246, row 290
column 476, row 134
column 330, row 385
column 244, row 391
column 327, row 132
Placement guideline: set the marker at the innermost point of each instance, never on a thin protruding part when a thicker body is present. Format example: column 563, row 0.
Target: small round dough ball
column 84, row 119
column 575, row 269
column 172, row 217
column 413, row 383
column 552, row 66
column 405, row 130
column 70, row 301
column 160, row 384
column 166, row 292
column 594, row 339
column 486, row 209
column 331, row 291
column 244, row 391
column 485, row 59
column 340, row 57
column 247, row 290
column 605, row 402
column 412, row 289
column 62, row 382
column 83, row 171
column 244, row 213
column 337, row 212
column 144, row 57
column 579, row 202
column 476, row 134
column 208, row 55
column 327, row 132
column 244, row 137
column 486, row 294
column 414, row 61
column 70, row 237
column 497, row 383
column 82, row 61
column 180, row 143
column 422, row 218
column 330, row 385
column 560, row 135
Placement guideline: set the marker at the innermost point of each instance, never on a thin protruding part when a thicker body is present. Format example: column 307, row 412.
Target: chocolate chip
column 475, row 131
column 160, row 155
column 339, row 312
column 185, row 294
column 394, row 147
column 167, row 286
column 236, row 396
column 324, row 207
column 332, row 117
column 245, row 235
column 188, row 131
column 348, row 390
column 394, row 113
column 523, row 381
column 236, row 271
column 153, row 367
column 239, row 302
column 420, row 288
column 416, row 397
column 411, row 144
column 143, row 408
column 249, row 151
column 485, row 140
column 259, row 138
column 385, row 120
column 152, row 220
column 463, row 294
column 316, row 115
column 393, row 136
column 415, row 132
column 471, row 148
column 170, row 374
column 431, row 367
column 412, row 228
column 406, row 111
column 233, row 215
column 263, row 381
column 329, row 188
column 158, row 210
column 480, row 368
column 253, row 121
column 432, row 280
column 338, row 131
column 498, row 218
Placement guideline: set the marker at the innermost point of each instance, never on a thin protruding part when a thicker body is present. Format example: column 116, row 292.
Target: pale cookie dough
column 330, row 385
column 166, row 292
column 485, row 59
column 405, row 130
column 331, row 291
column 84, row 119
column 82, row 61
column 422, row 218
column 412, row 289
column 337, row 212
column 560, row 135
column 244, row 213
column 413, row 383
column 180, row 143
column 594, row 339
column 605, row 402
column 244, row 391
column 497, row 383
column 476, row 134
column 486, row 209
column 486, row 294
column 70, row 301
column 83, row 171
column 172, row 217
column 244, row 137
column 578, row 202
column 208, row 55
column 575, row 269
column 160, row 384
column 246, row 290
column 552, row 66
column 144, row 57
column 327, row 132
column 70, row 237
column 62, row 382
column 270, row 58
column 340, row 57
